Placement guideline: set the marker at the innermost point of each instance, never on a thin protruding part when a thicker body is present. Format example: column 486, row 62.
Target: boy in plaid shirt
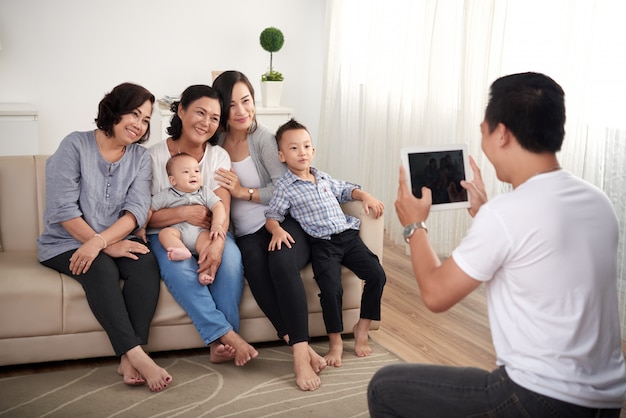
column 313, row 198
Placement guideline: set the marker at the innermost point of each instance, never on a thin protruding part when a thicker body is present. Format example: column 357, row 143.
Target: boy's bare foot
column 178, row 253
column 361, row 338
column 131, row 376
column 318, row 363
column 335, row 350
column 205, row 279
column 221, row 353
column 156, row 376
column 306, row 377
column 244, row 352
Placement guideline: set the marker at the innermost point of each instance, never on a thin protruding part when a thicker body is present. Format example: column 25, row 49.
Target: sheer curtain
column 405, row 72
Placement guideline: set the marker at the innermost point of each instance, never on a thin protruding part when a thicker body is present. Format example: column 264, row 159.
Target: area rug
column 265, row 387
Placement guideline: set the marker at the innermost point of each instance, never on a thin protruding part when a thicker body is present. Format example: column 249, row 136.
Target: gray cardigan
column 264, row 153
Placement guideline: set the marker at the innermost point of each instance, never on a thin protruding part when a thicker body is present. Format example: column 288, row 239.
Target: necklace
column 547, row 170
column 102, row 151
column 197, row 157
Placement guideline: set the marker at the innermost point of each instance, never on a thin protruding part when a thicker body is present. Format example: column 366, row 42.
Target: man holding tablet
column 547, row 253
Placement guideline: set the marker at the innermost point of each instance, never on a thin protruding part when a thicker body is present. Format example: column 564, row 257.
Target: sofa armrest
column 372, row 229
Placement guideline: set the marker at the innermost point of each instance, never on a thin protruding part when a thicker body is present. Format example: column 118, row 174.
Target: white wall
column 62, row 56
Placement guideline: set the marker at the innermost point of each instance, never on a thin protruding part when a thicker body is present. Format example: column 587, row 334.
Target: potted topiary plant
column 271, row 40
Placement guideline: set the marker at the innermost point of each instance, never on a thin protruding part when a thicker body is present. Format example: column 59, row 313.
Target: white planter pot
column 271, row 92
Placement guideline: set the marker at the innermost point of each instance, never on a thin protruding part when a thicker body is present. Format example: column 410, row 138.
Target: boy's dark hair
column 190, row 95
column 224, row 84
column 170, row 162
column 290, row 125
column 532, row 106
column 122, row 100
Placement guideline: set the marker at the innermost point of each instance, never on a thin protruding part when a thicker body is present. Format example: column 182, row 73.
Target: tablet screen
column 441, row 169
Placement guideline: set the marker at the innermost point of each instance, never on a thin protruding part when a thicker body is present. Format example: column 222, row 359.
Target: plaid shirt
column 316, row 206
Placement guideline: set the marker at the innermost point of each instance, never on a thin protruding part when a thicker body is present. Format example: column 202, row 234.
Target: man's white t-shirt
column 548, row 254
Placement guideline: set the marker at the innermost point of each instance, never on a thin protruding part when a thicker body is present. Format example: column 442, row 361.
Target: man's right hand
column 409, row 208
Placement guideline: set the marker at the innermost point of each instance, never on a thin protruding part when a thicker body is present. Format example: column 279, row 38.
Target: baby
column 183, row 240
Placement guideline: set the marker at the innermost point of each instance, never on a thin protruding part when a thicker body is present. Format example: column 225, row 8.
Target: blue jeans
column 213, row 309
column 425, row 390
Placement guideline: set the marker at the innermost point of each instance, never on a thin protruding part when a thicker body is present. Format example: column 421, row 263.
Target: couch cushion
column 19, row 205
column 30, row 300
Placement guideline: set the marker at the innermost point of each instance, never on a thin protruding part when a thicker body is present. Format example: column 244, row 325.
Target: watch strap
column 410, row 229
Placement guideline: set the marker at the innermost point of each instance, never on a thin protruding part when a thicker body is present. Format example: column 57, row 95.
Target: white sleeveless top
column 247, row 216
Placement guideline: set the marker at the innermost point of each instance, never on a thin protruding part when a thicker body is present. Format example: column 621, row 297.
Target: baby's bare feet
column 205, row 279
column 178, row 253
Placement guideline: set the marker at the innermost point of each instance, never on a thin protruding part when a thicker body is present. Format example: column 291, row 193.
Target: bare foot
column 335, row 350
column 306, row 377
column 156, row 376
column 361, row 339
column 205, row 279
column 318, row 363
column 178, row 253
column 244, row 352
column 221, row 353
column 131, row 376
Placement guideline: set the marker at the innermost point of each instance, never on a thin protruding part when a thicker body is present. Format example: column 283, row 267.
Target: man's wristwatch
column 410, row 229
column 250, row 192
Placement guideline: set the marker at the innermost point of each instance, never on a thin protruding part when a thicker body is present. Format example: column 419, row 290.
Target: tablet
column 440, row 168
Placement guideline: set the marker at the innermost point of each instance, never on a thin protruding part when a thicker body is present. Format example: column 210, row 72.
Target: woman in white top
column 214, row 309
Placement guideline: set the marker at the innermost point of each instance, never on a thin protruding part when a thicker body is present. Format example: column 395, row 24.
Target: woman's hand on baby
column 228, row 179
column 198, row 215
column 210, row 257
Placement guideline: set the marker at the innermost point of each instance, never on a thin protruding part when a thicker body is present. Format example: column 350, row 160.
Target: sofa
column 44, row 315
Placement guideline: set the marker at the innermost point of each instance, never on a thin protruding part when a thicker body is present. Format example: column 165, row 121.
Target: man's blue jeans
column 213, row 309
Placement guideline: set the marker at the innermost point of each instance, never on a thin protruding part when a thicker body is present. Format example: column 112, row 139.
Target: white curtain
column 407, row 72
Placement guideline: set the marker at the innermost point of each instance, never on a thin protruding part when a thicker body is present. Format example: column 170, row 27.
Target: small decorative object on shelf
column 167, row 101
column 271, row 40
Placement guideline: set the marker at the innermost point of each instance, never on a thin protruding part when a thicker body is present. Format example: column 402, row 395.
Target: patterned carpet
column 263, row 388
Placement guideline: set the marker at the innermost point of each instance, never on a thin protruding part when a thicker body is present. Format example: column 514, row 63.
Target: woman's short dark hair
column 122, row 100
column 190, row 95
column 224, row 84
column 532, row 107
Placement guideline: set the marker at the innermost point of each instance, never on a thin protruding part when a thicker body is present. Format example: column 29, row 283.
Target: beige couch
column 44, row 315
